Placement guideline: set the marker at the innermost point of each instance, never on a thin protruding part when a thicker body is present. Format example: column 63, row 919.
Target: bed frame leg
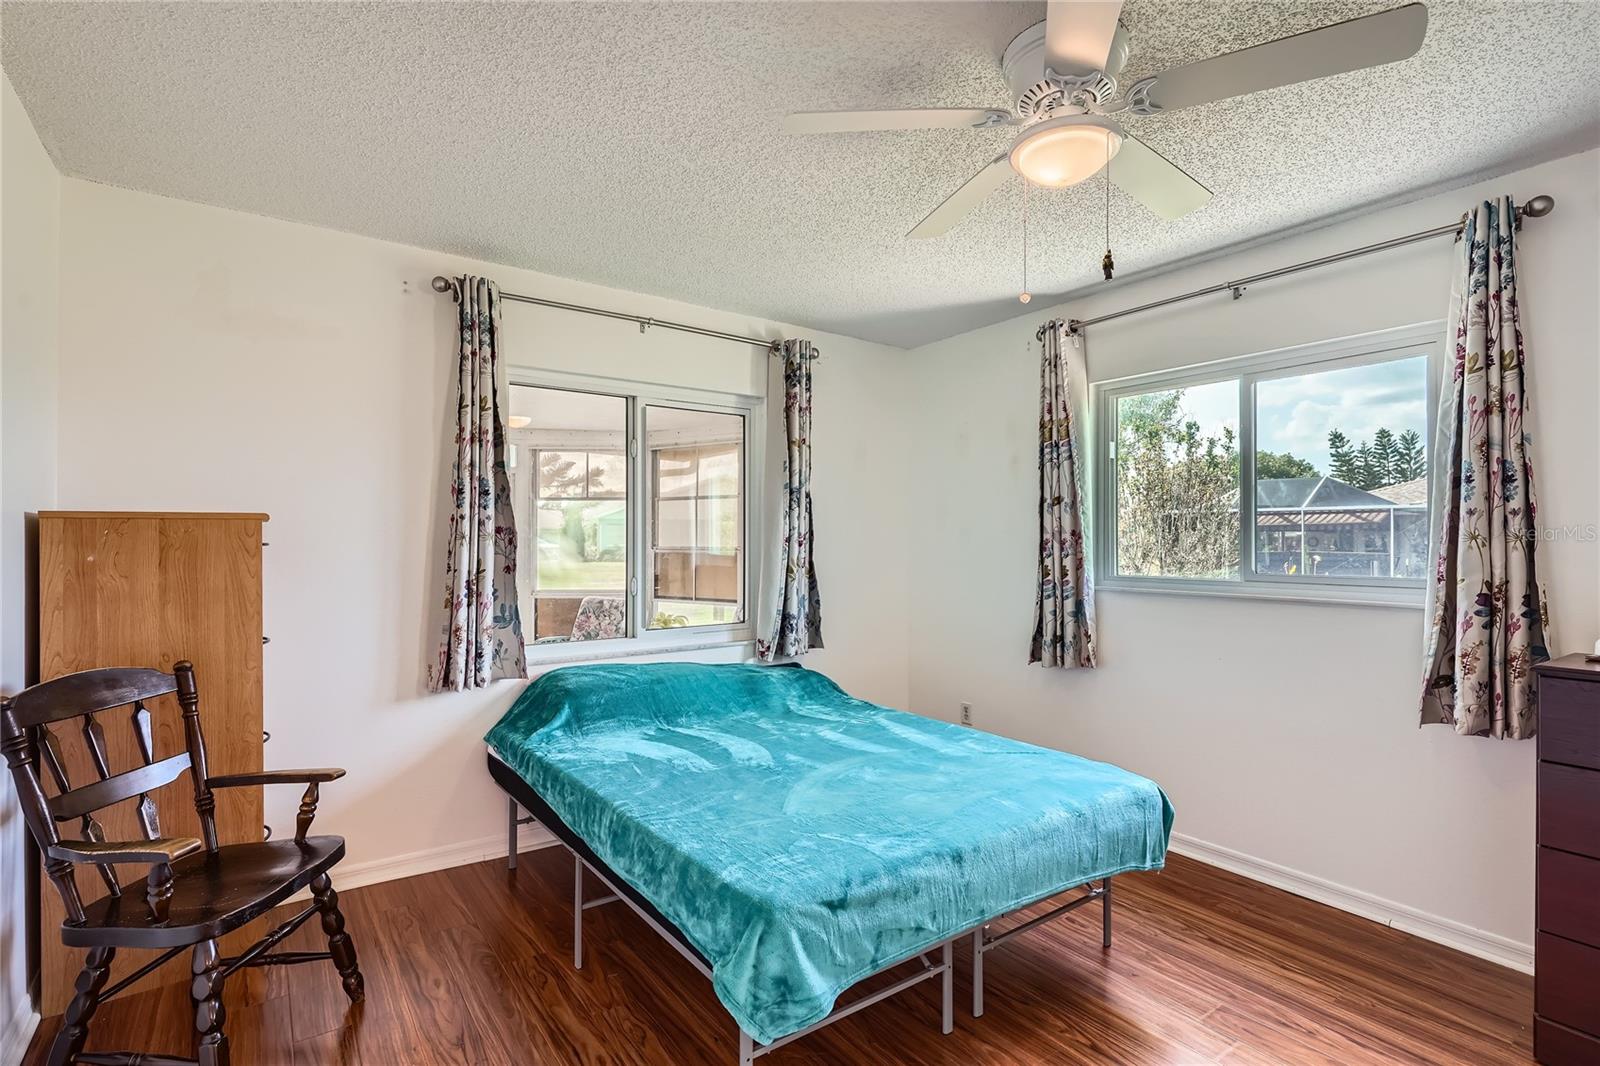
column 949, row 986
column 1105, row 914
column 747, row 1049
column 577, row 911
column 511, row 833
column 977, row 972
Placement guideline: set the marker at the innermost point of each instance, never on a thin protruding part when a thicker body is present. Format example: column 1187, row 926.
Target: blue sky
column 1294, row 414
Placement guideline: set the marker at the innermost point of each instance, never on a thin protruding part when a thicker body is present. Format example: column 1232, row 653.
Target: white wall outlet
column 966, row 714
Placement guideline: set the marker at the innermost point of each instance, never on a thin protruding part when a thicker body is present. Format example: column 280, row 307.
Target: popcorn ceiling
column 636, row 144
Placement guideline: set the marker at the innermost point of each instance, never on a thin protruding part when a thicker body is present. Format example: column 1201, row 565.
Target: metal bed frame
column 983, row 942
column 749, row 1050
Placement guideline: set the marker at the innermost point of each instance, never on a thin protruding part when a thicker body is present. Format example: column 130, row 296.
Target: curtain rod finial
column 1539, row 206
column 444, row 284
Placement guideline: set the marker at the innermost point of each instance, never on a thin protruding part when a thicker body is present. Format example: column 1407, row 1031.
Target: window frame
column 636, row 396
column 649, row 501
column 1422, row 339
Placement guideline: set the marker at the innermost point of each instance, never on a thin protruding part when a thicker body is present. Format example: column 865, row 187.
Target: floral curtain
column 1487, row 619
column 790, row 612
column 483, row 635
column 1063, row 612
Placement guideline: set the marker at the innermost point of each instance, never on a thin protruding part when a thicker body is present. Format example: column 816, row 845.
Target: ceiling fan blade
column 921, row 118
column 1156, row 181
column 1371, row 41
column 964, row 199
column 1078, row 33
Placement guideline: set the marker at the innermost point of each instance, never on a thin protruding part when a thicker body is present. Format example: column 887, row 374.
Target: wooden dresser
column 1566, row 1026
column 148, row 589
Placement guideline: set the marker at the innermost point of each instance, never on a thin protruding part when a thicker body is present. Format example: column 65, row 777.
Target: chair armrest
column 277, row 777
column 160, row 853
column 308, row 802
column 159, row 850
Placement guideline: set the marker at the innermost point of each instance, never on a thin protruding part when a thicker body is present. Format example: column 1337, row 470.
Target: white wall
column 1285, row 732
column 213, row 360
column 30, row 191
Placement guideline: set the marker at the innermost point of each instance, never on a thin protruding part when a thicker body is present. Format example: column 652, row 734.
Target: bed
column 791, row 840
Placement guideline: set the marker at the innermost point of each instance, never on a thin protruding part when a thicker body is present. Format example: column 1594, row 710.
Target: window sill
column 587, row 651
column 1340, row 595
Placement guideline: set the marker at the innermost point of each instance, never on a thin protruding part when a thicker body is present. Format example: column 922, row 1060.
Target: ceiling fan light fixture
column 1064, row 151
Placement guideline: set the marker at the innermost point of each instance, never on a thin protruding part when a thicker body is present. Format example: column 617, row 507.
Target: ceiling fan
column 1062, row 74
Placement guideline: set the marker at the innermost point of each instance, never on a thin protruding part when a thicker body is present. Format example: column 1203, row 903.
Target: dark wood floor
column 473, row 965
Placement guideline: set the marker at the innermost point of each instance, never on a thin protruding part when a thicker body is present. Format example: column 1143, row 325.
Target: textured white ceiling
column 636, row 144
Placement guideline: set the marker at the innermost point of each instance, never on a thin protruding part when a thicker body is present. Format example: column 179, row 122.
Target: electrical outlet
column 966, row 714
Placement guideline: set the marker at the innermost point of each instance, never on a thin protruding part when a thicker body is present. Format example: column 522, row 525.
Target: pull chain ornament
column 1108, row 264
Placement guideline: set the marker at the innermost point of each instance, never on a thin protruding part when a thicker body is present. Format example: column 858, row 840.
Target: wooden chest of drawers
column 1566, row 1024
column 147, row 589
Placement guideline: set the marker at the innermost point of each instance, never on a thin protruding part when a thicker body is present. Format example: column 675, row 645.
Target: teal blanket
column 803, row 839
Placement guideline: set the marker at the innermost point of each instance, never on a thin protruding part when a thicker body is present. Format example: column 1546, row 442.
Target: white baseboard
column 348, row 875
column 375, row 871
column 1450, row 933
column 18, row 1032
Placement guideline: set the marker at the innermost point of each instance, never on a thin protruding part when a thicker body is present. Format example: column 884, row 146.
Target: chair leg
column 75, row 1023
column 340, row 946
column 206, row 992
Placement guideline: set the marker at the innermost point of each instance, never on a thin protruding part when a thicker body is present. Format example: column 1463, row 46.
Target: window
column 1292, row 473
column 1177, row 482
column 593, row 563
column 581, row 521
column 1341, row 475
column 697, row 519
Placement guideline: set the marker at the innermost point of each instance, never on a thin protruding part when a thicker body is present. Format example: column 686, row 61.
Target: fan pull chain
column 1108, row 264
column 1025, row 295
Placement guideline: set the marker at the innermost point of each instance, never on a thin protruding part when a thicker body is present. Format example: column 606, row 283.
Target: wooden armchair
column 197, row 890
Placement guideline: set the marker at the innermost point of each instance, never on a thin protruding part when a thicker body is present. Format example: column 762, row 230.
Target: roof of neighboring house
column 1315, row 492
column 1413, row 493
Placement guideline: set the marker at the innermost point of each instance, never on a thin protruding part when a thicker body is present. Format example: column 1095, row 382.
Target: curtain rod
column 444, row 284
column 1537, row 207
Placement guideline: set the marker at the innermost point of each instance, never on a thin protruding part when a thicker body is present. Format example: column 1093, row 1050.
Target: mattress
column 801, row 839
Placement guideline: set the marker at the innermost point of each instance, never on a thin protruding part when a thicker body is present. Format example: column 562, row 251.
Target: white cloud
column 1295, row 414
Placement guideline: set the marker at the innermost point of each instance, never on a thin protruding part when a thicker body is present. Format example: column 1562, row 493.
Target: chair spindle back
column 26, row 721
